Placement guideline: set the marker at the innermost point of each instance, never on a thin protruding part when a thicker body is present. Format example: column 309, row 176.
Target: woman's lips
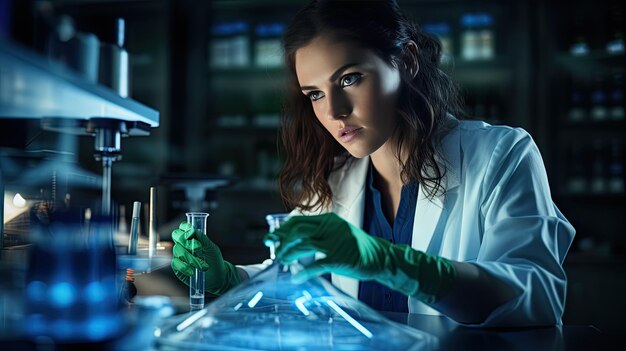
column 347, row 134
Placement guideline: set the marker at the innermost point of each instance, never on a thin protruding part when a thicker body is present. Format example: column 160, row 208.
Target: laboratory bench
column 140, row 319
column 451, row 336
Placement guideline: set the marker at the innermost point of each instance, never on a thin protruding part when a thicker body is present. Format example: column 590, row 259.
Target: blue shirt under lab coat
column 372, row 293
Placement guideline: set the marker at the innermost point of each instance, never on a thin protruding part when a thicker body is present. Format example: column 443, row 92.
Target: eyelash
column 357, row 77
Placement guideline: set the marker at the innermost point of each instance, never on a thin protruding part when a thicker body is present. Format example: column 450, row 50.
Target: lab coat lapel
column 428, row 210
column 349, row 204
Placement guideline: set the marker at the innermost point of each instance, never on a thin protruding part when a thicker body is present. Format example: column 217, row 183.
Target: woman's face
column 353, row 93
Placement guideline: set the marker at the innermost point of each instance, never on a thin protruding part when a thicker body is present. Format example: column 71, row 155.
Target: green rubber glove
column 353, row 253
column 192, row 249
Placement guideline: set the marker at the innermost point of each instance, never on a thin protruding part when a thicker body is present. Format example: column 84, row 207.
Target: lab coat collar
column 428, row 210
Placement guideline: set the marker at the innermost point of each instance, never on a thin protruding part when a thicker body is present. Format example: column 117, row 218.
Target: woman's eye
column 350, row 79
column 315, row 95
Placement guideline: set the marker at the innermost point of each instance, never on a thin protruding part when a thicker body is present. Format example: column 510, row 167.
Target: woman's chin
column 358, row 153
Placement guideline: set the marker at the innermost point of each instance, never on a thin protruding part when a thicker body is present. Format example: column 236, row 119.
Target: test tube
column 134, row 229
column 196, row 282
column 153, row 236
column 274, row 221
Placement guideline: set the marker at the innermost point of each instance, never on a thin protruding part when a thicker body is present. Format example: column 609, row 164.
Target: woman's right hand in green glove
column 193, row 250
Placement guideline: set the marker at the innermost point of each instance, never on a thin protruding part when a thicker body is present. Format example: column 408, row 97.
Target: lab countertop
column 141, row 322
column 452, row 336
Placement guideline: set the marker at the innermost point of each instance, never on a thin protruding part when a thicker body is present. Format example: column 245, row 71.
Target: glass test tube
column 274, row 221
column 196, row 282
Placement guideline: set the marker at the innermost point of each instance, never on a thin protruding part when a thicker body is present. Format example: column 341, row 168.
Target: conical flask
column 270, row 312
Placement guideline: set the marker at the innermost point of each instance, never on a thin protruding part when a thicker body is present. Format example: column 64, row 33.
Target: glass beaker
column 274, row 221
column 196, row 281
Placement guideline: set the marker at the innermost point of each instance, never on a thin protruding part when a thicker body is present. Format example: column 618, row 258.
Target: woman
column 409, row 208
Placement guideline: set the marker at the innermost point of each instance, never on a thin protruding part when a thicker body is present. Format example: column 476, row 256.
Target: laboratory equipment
column 66, row 102
column 195, row 192
column 274, row 221
column 114, row 67
column 141, row 256
column 270, row 312
column 153, row 235
column 196, row 281
column 134, row 229
column 71, row 290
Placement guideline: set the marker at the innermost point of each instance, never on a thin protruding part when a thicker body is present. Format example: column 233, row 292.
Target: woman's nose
column 338, row 106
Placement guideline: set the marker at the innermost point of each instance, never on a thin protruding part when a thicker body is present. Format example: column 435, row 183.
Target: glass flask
column 196, row 281
column 274, row 221
column 270, row 312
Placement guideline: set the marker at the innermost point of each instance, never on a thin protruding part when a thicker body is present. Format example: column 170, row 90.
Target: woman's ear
column 410, row 58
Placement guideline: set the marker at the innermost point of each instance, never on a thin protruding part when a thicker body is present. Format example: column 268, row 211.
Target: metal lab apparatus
column 31, row 87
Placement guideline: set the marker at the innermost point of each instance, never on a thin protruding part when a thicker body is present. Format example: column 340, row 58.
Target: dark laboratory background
column 214, row 72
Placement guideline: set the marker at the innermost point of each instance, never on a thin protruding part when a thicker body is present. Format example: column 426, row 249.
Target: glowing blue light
column 64, row 328
column 191, row 319
column 476, row 19
column 255, row 299
column 306, row 296
column 270, row 29
column 95, row 292
column 579, row 49
column 62, row 294
column 238, row 306
column 36, row 291
column 615, row 47
column 101, row 327
column 35, row 324
column 438, row 28
column 349, row 319
column 229, row 28
column 300, row 305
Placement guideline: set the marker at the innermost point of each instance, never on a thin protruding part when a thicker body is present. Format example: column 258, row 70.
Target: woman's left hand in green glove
column 352, row 252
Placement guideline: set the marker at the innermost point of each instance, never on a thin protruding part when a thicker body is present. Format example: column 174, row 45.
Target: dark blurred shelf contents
column 581, row 72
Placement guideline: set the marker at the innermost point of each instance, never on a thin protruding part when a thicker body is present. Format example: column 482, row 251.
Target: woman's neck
column 388, row 180
column 388, row 169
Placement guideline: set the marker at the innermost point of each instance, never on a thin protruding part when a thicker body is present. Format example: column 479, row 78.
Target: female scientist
column 408, row 208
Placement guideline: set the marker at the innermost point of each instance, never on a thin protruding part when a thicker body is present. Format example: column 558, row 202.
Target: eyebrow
column 333, row 77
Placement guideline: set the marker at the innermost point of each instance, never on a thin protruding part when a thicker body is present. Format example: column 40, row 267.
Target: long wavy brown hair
column 311, row 153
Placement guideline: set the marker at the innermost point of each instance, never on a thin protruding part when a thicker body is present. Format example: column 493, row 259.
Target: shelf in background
column 597, row 61
column 245, row 130
column 480, row 73
column 601, row 199
column 253, row 185
column 576, row 135
column 586, row 125
column 33, row 87
column 594, row 258
column 247, row 81
column 248, row 70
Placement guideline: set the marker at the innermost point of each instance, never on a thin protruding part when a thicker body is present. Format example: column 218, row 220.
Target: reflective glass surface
column 269, row 312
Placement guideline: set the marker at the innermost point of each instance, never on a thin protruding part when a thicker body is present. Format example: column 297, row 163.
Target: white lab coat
column 497, row 212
